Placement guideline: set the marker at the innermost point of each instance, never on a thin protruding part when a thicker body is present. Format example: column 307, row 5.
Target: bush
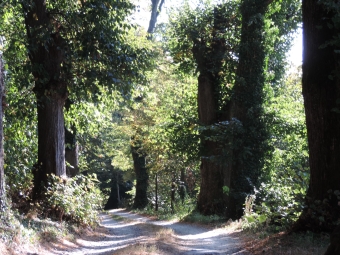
column 76, row 199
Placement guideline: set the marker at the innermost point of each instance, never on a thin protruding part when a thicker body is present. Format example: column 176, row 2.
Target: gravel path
column 126, row 229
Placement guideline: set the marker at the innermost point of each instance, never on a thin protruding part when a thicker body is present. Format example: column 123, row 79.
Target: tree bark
column 114, row 200
column 51, row 147
column 46, row 52
column 141, row 199
column 210, row 199
column 321, row 92
column 209, row 59
column 156, row 192
column 3, row 203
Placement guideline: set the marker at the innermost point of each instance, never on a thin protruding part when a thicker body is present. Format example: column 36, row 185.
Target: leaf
column 262, row 218
column 250, row 218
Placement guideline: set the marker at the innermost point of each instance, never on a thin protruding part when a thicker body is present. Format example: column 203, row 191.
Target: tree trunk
column 246, row 106
column 156, row 7
column 156, row 192
column 210, row 199
column 142, row 175
column 3, row 204
column 117, row 185
column 114, row 199
column 46, row 52
column 51, row 147
column 321, row 93
column 141, row 199
column 209, row 59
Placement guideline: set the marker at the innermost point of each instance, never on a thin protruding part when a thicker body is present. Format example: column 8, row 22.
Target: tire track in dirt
column 125, row 230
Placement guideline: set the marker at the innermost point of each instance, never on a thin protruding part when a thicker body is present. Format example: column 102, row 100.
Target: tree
column 246, row 160
column 156, row 8
column 137, row 150
column 320, row 88
column 2, row 104
column 71, row 51
column 210, row 59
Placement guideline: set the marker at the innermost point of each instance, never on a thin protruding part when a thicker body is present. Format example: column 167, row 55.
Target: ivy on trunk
column 246, row 160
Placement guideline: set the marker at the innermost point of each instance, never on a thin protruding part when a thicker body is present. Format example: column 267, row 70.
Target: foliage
column 191, row 28
column 20, row 140
column 181, row 212
column 77, row 199
column 285, row 176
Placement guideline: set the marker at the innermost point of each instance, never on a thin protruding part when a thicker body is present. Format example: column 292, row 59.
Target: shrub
column 76, row 199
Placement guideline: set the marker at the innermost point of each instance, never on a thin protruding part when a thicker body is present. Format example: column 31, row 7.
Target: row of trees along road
column 219, row 136
column 226, row 44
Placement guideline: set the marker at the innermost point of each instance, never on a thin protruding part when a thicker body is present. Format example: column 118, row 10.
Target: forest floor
column 122, row 232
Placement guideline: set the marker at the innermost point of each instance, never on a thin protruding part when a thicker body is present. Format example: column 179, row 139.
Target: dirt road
column 129, row 232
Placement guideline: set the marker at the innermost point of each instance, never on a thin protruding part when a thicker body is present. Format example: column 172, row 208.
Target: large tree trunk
column 321, row 93
column 210, row 199
column 2, row 103
column 51, row 146
column 246, row 106
column 141, row 199
column 209, row 59
column 46, row 52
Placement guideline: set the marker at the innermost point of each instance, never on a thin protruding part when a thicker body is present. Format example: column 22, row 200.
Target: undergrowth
column 70, row 205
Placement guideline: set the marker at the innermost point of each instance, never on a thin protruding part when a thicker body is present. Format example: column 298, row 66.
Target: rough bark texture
column 46, row 55
column 210, row 200
column 320, row 94
column 141, row 199
column 2, row 175
column 209, row 60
